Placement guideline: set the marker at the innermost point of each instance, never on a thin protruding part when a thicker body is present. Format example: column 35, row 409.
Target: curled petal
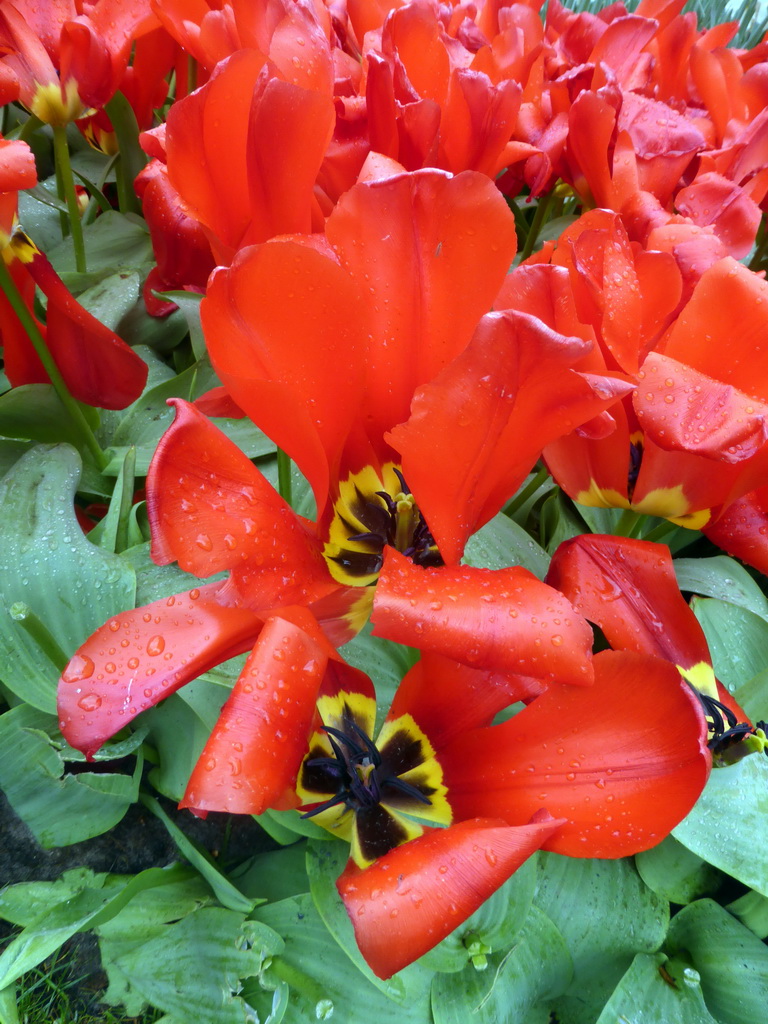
column 477, row 429
column 253, row 755
column 143, row 655
column 415, row 895
column 503, row 619
column 742, row 529
column 623, row 760
column 629, row 589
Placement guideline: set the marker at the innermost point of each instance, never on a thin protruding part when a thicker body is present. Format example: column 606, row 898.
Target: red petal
column 683, row 409
column 623, row 760
column 283, row 327
column 257, row 746
column 479, row 427
column 499, row 619
column 98, row 367
column 629, row 589
column 211, row 509
column 141, row 656
column 415, row 895
column 445, row 698
column 742, row 529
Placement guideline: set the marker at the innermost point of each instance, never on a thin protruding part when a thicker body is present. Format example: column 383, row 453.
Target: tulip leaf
column 656, row 989
column 606, row 915
column 732, row 961
column 385, row 662
column 275, row 874
column 324, row 983
column 723, row 578
column 728, row 827
column 59, row 809
column 112, row 297
column 35, row 412
column 193, row 969
column 738, row 643
column 113, row 243
column 676, row 874
column 46, row 562
column 537, row 969
column 752, row 910
column 503, row 542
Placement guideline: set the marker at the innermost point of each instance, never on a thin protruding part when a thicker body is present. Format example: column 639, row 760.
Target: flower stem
column 29, row 324
column 627, row 523
column 284, row 484
column 530, row 488
column 66, row 178
column 542, row 207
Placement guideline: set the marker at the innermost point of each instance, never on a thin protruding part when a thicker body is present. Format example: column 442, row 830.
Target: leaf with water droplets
column 46, row 562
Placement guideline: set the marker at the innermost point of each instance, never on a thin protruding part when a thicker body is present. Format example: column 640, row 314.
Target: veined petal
column 415, row 895
column 142, row 655
column 683, row 409
column 629, row 589
column 478, row 428
column 98, row 367
column 430, row 252
column 502, row 619
column 282, row 326
column 446, row 698
column 210, row 509
column 623, row 760
column 254, row 753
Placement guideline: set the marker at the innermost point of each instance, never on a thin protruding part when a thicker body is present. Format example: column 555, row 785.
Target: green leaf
column 324, row 983
column 752, row 910
column 559, row 521
column 46, row 562
column 537, row 968
column 59, row 809
column 728, row 827
column 723, row 578
column 656, row 990
column 676, row 874
column 385, row 662
column 113, row 243
column 737, row 638
column 35, row 412
column 193, row 969
column 9, row 1013
column 732, row 961
column 606, row 915
column 503, row 542
column 25, row 902
column 274, row 875
column 112, row 297
column 227, row 893
column 111, row 532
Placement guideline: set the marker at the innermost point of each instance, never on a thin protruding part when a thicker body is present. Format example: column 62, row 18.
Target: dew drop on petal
column 89, row 702
column 155, row 646
column 80, row 667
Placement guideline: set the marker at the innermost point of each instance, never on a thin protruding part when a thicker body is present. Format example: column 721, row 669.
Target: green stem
column 284, row 484
column 132, row 157
column 298, row 980
column 539, row 217
column 530, row 488
column 65, row 176
column 29, row 324
column 40, row 633
column 659, row 533
column 627, row 523
column 29, row 127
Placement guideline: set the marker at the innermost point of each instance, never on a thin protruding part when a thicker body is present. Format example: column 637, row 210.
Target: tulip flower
column 443, row 806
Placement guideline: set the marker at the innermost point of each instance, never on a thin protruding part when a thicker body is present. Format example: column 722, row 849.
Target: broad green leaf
column 193, row 969
column 160, row 333
column 274, row 875
column 676, row 874
column 502, row 542
column 656, row 990
column 46, row 562
column 112, row 531
column 537, row 968
column 753, row 696
column 25, row 902
column 737, row 638
column 606, row 915
column 35, row 412
column 324, row 983
column 723, row 578
column 112, row 297
column 11, row 452
column 492, row 928
column 113, row 243
column 559, row 521
column 9, row 1013
column 732, row 961
column 325, row 862
column 752, row 910
column 728, row 827
column 600, row 520
column 227, row 893
column 59, row 809
column 156, row 581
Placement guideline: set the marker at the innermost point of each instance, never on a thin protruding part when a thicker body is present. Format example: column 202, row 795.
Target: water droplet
column 204, row 542
column 89, row 702
column 80, row 667
column 155, row 646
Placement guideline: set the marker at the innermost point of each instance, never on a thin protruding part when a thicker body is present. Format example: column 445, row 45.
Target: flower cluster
column 358, row 191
